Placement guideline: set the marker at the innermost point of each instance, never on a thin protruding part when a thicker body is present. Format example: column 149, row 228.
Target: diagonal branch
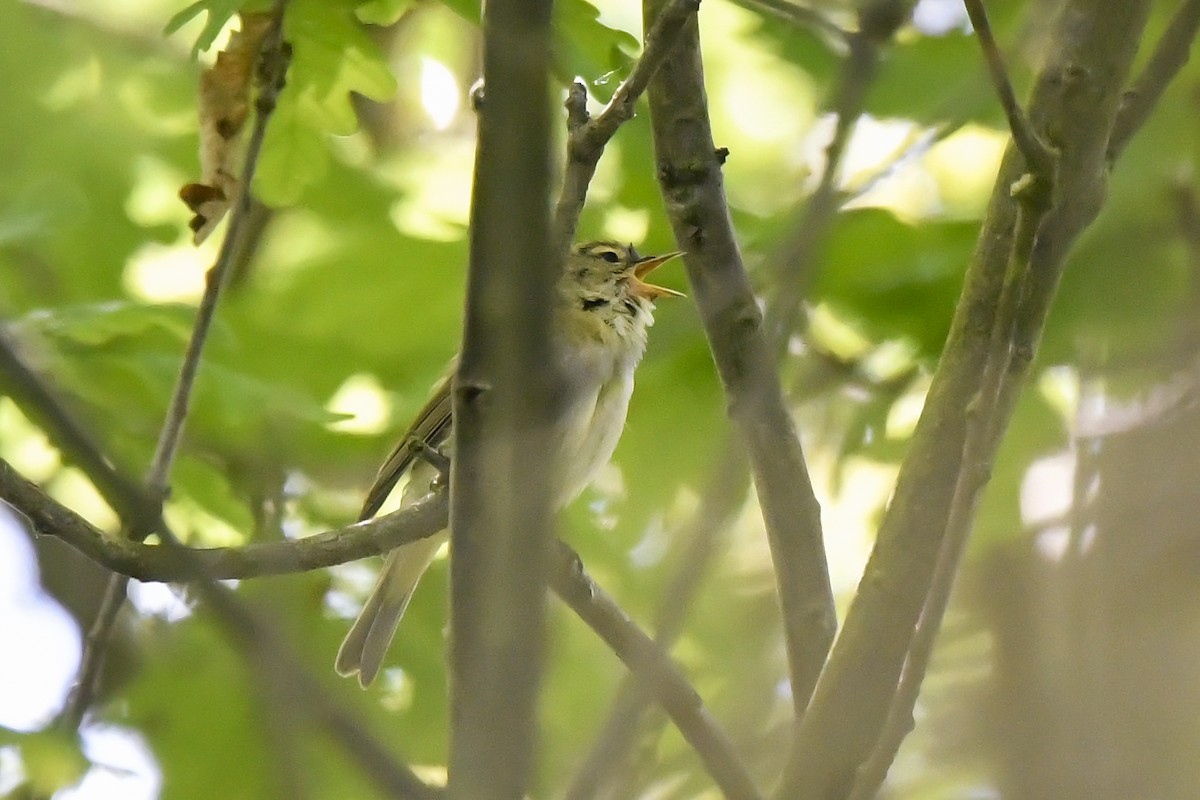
column 645, row 658
column 1039, row 157
column 587, row 137
column 40, row 404
column 983, row 430
column 259, row 644
column 703, row 534
column 1170, row 55
column 133, row 506
column 274, row 56
column 802, row 15
column 171, row 561
column 691, row 183
column 1076, row 95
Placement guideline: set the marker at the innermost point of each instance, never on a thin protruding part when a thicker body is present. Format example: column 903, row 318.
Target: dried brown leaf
column 225, row 96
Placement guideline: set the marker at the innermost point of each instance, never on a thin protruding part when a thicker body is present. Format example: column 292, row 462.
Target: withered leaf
column 225, row 101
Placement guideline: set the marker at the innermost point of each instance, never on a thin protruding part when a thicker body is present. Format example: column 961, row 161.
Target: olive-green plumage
column 602, row 313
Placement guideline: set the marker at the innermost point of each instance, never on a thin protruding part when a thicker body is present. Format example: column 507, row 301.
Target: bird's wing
column 431, row 428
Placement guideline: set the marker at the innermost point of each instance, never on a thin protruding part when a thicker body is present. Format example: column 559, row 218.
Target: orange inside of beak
column 640, row 288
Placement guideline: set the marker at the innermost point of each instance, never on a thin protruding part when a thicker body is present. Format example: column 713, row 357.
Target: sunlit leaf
column 51, row 761
column 217, row 15
column 905, row 289
column 383, row 12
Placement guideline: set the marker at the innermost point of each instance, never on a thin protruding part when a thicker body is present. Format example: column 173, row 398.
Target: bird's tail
column 366, row 644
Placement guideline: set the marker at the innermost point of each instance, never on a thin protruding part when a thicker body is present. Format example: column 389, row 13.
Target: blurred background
column 1067, row 664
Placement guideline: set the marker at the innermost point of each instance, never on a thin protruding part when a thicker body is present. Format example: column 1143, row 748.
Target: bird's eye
column 610, row 256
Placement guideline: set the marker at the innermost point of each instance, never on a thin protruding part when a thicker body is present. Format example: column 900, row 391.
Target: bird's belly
column 595, row 422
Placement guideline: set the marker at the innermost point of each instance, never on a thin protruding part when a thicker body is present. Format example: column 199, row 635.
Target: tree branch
column 1038, row 156
column 272, row 66
column 507, row 395
column 1076, row 95
column 40, row 404
column 1170, row 55
column 690, row 180
column 173, row 562
column 274, row 56
column 159, row 563
column 983, row 432
column 259, row 644
column 587, row 138
column 726, row 490
column 133, row 506
column 656, row 670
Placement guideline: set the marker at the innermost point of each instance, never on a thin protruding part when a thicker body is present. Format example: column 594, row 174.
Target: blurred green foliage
column 98, row 280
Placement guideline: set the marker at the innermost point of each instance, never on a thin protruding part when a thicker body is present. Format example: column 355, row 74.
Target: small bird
column 602, row 312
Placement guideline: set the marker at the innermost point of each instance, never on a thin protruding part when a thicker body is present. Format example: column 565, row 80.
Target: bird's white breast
column 601, row 382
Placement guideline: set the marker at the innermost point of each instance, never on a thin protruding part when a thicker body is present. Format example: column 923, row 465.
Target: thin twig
column 1170, row 55
column 171, row 561
column 95, row 650
column 39, row 403
column 259, row 644
column 1039, row 157
column 587, row 137
column 643, row 656
column 274, row 56
column 174, row 562
column 913, row 147
column 156, row 563
column 659, row 41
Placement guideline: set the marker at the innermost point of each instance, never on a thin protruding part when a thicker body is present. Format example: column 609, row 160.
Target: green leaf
column 811, row 52
column 383, row 12
column 586, row 47
column 218, row 714
column 583, row 45
column 219, row 12
column 52, row 760
column 467, row 9
column 676, row 417
column 294, row 154
column 209, row 487
column 932, row 78
column 332, row 57
column 103, row 324
column 896, row 280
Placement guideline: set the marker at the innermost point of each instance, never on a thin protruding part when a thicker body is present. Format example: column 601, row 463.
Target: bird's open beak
column 639, row 288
